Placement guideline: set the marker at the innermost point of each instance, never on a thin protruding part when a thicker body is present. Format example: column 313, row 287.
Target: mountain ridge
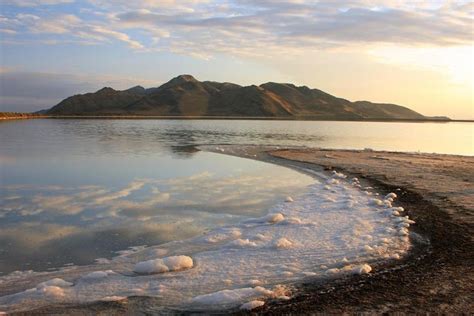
column 184, row 95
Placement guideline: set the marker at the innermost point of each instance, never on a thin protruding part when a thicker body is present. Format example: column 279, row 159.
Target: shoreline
column 435, row 277
column 257, row 118
column 432, row 279
column 12, row 118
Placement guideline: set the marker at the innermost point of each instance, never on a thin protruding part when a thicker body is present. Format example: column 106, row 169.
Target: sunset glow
column 417, row 54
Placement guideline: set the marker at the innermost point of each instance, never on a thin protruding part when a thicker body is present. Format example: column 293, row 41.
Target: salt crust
column 173, row 263
column 252, row 305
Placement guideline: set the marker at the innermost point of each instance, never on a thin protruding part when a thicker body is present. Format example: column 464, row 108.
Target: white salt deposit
column 293, row 220
column 255, row 282
column 98, row 275
column 243, row 243
column 51, row 292
column 252, row 305
column 395, row 256
column 317, row 235
column 113, row 298
column 167, row 264
column 224, row 234
column 350, row 269
column 283, row 243
column 309, row 274
column 275, row 218
column 362, row 269
column 261, row 237
column 338, row 174
column 403, row 231
column 376, row 202
column 368, row 248
column 151, row 266
column 54, row 282
column 226, row 297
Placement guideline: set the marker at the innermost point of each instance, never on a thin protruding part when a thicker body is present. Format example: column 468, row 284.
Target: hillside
column 186, row 96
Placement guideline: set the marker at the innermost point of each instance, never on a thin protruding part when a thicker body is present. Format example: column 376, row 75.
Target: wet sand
column 437, row 191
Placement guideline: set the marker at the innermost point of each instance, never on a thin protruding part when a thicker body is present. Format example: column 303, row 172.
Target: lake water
column 80, row 192
column 58, row 176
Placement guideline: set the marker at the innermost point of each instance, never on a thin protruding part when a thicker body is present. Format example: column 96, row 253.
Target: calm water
column 73, row 191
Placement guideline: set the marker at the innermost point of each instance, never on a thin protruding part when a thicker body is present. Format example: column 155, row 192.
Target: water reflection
column 49, row 226
column 130, row 137
column 183, row 151
column 76, row 190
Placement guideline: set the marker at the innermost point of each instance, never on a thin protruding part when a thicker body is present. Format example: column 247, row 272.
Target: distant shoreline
column 262, row 118
column 21, row 117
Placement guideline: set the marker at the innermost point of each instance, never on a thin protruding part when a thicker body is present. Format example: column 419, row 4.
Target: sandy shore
column 437, row 191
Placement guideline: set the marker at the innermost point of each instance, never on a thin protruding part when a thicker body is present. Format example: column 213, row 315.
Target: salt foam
column 167, row 264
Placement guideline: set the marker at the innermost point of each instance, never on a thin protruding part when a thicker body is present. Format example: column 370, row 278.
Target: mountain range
column 185, row 96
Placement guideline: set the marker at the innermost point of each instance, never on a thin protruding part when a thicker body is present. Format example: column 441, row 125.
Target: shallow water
column 80, row 192
column 69, row 184
column 131, row 137
column 75, row 191
column 333, row 229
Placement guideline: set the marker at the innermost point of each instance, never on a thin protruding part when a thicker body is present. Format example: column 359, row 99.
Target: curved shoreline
column 438, row 281
column 435, row 278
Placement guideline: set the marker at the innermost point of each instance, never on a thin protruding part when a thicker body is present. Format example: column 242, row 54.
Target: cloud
column 142, row 211
column 256, row 28
column 234, row 194
column 117, row 35
column 59, row 25
column 65, row 27
column 7, row 31
column 134, row 186
column 267, row 37
column 35, row 3
column 64, row 204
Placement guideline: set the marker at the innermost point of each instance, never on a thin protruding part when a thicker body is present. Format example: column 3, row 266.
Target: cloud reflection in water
column 49, row 226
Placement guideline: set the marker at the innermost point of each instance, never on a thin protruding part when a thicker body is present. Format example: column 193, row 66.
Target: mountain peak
column 182, row 79
column 137, row 89
column 105, row 90
column 186, row 77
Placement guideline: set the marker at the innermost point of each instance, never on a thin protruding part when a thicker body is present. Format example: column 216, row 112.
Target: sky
column 414, row 53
